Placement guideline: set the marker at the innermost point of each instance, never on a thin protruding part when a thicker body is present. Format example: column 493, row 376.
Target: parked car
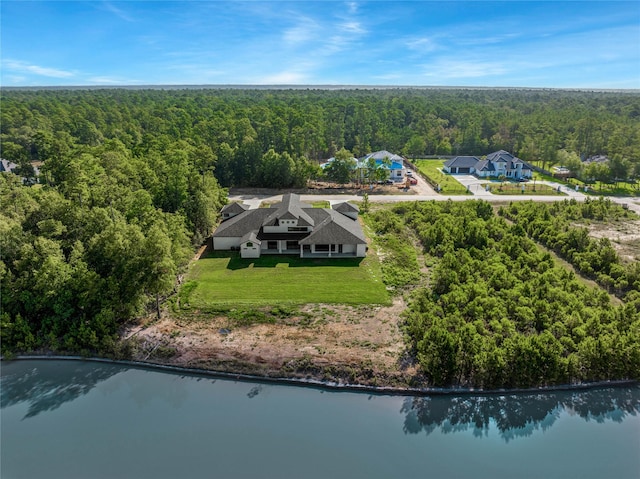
column 409, row 173
column 413, row 181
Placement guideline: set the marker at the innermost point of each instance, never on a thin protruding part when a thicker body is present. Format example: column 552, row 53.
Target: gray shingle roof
column 485, row 165
column 345, row 207
column 462, row 162
column 235, row 208
column 381, row 155
column 329, row 226
column 250, row 236
column 239, row 225
column 336, row 229
column 500, row 155
column 289, row 208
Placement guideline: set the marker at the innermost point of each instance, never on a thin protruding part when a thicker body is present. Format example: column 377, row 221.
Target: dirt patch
column 353, row 344
column 624, row 236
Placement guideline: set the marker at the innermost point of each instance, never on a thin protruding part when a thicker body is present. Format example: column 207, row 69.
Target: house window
column 293, row 245
column 322, row 247
column 297, row 228
column 272, row 245
column 249, row 244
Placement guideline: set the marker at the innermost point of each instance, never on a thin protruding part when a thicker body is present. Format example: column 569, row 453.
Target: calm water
column 68, row 419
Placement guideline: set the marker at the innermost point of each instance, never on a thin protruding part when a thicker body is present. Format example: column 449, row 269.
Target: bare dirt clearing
column 624, row 236
column 341, row 343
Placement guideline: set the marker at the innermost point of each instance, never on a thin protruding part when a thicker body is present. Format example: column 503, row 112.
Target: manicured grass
column 321, row 204
column 516, row 189
column 222, row 279
column 448, row 184
column 597, row 188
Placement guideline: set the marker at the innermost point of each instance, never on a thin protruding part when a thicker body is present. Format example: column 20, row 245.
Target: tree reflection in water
column 47, row 385
column 516, row 415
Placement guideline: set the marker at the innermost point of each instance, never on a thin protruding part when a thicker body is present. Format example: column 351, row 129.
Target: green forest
column 132, row 182
column 499, row 312
column 273, row 138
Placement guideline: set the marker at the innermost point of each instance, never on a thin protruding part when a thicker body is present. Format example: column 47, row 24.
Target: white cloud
column 352, row 27
column 117, row 11
column 422, row 44
column 306, row 30
column 24, row 67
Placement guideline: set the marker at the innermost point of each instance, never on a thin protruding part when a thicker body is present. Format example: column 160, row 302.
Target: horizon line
column 310, row 86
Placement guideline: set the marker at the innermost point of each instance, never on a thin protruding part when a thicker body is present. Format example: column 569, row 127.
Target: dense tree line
column 555, row 227
column 272, row 137
column 499, row 312
column 103, row 237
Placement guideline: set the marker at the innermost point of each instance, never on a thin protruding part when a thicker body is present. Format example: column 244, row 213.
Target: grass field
column 448, row 184
column 222, row 279
column 516, row 189
column 597, row 188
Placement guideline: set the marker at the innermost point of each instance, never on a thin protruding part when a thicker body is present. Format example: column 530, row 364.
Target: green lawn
column 222, row 279
column 597, row 188
column 448, row 184
column 516, row 189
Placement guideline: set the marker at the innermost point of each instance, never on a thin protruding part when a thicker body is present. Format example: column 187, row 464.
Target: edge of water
column 332, row 386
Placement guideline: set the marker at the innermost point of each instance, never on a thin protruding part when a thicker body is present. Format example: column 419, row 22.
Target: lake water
column 75, row 419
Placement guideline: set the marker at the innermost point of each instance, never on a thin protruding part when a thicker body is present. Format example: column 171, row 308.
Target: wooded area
column 499, row 312
column 133, row 180
column 231, row 132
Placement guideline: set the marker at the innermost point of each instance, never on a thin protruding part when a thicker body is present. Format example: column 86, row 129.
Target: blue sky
column 576, row 44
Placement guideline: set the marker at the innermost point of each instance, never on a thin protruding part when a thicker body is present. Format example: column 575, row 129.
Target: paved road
column 254, row 200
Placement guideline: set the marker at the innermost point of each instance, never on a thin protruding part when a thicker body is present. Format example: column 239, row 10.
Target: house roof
column 345, row 207
column 239, row 225
column 6, row 165
column 381, row 155
column 330, row 226
column 508, row 158
column 336, row 229
column 597, row 159
column 500, row 155
column 332, row 159
column 485, row 165
column 289, row 208
column 462, row 162
column 236, row 208
column 250, row 236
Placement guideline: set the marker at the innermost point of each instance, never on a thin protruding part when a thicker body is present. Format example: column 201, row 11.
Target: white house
column 502, row 163
column 394, row 164
column 496, row 164
column 293, row 227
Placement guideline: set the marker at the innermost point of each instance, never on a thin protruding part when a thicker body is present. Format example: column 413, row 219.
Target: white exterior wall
column 348, row 248
column 225, row 243
column 252, row 252
column 361, row 250
column 283, row 227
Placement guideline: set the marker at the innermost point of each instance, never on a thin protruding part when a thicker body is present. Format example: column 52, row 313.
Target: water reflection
column 516, row 415
column 47, row 385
